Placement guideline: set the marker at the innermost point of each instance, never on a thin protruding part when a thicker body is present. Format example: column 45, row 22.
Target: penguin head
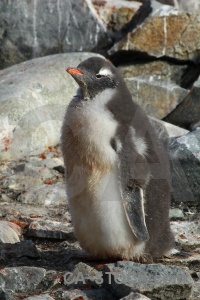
column 94, row 76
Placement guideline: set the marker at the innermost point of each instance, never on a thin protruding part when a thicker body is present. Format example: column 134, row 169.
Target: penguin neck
column 99, row 101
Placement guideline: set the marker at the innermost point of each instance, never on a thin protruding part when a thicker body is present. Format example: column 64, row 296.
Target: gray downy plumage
column 140, row 160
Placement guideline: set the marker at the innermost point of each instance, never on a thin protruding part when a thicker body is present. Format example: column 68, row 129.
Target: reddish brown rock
column 166, row 32
column 115, row 13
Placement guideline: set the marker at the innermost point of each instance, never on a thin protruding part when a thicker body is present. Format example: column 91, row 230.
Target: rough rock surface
column 156, row 97
column 176, row 214
column 166, row 132
column 21, row 278
column 49, row 194
column 184, row 5
column 166, row 32
column 187, row 113
column 158, row 69
column 45, row 249
column 135, row 296
column 9, row 232
column 40, row 297
column 24, row 248
column 153, row 280
column 187, row 234
column 33, row 99
column 51, row 229
column 185, row 162
column 68, row 27
column 116, row 13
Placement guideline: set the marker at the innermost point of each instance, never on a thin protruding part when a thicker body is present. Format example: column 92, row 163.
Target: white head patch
column 105, row 72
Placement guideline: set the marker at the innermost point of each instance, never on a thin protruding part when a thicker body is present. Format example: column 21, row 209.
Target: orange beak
column 73, row 71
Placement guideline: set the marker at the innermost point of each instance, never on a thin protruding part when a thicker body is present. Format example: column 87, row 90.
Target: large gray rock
column 156, row 97
column 37, row 28
column 187, row 113
column 156, row 281
column 21, row 278
column 185, row 164
column 158, row 69
column 33, row 99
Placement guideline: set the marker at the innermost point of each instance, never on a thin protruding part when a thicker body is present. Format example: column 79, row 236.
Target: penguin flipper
column 134, row 207
column 134, row 176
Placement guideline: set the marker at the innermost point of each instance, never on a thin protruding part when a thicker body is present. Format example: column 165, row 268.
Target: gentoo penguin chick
column 117, row 171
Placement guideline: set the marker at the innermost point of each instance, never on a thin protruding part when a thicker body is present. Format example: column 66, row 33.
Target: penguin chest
column 93, row 128
column 98, row 130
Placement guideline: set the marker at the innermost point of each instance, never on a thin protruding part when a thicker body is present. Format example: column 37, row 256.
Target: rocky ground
column 41, row 259
column 156, row 48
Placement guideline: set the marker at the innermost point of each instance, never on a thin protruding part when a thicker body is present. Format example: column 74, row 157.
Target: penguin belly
column 100, row 221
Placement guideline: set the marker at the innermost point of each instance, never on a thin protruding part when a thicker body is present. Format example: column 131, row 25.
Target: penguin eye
column 98, row 76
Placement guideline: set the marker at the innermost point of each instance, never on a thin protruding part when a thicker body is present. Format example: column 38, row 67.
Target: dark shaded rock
column 190, row 76
column 154, row 280
column 21, row 278
column 25, row 248
column 68, row 27
column 51, row 229
column 185, row 168
column 6, row 296
column 100, row 294
column 187, row 112
column 167, row 2
column 9, row 232
column 60, row 169
column 156, row 97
